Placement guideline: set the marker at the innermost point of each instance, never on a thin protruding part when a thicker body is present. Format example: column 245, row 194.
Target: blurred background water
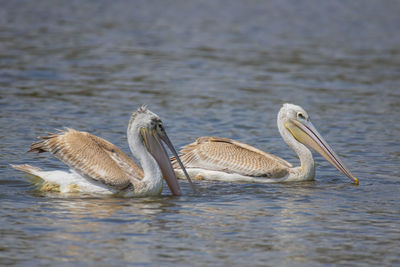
column 219, row 68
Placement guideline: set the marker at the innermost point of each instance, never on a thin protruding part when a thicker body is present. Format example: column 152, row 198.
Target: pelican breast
column 91, row 156
column 226, row 155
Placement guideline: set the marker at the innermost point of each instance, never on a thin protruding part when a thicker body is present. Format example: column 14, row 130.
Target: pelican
column 214, row 158
column 98, row 166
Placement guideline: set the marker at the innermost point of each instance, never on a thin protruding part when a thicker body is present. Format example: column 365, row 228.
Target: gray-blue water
column 219, row 68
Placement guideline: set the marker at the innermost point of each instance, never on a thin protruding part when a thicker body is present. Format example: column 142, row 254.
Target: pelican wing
column 91, row 156
column 222, row 154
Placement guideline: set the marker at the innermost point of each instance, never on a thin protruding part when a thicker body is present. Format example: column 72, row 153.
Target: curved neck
column 306, row 171
column 152, row 172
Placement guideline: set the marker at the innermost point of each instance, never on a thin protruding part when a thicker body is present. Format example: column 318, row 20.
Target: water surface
column 217, row 68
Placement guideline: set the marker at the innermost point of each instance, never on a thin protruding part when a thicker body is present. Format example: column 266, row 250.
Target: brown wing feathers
column 222, row 154
column 90, row 156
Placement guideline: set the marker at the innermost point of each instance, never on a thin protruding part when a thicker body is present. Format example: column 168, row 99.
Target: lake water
column 219, row 68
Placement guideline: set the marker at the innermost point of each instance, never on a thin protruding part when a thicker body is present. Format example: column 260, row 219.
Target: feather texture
column 91, row 156
column 226, row 155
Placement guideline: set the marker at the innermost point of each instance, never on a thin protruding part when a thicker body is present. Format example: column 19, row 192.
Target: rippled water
column 218, row 68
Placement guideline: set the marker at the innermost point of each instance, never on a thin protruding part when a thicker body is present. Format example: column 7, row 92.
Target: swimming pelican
column 213, row 158
column 97, row 166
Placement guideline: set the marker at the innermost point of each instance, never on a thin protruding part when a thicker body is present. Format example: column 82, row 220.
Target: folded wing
column 222, row 154
column 90, row 156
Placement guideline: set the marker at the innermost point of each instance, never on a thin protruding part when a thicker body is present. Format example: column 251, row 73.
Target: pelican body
column 98, row 166
column 214, row 158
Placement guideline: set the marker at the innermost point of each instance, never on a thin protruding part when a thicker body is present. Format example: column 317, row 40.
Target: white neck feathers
column 152, row 172
column 307, row 169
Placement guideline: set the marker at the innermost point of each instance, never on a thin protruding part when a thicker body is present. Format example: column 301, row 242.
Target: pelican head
column 147, row 128
column 297, row 122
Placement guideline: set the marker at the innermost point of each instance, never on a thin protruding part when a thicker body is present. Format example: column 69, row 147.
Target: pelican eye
column 160, row 126
column 300, row 116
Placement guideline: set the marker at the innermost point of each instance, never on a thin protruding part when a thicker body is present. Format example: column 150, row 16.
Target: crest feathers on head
column 142, row 109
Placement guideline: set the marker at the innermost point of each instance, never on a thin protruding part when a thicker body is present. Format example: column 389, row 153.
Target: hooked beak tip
column 307, row 134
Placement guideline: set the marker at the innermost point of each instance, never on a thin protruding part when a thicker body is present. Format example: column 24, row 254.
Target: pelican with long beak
column 213, row 158
column 97, row 166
